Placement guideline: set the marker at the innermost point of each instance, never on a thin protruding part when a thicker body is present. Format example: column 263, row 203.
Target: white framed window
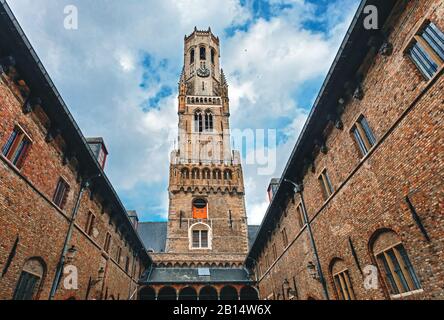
column 200, row 236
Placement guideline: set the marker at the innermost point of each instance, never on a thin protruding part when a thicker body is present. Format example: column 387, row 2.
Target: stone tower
column 207, row 222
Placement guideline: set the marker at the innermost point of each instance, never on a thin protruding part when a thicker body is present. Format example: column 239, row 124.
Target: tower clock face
column 203, row 72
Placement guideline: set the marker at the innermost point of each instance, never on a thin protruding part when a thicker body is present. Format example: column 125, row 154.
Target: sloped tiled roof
column 153, row 235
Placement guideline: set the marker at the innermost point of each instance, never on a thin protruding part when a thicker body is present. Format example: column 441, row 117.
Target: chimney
column 98, row 147
column 132, row 214
column 272, row 188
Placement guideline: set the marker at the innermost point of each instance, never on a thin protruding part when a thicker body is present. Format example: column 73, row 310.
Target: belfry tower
column 207, row 219
column 200, row 252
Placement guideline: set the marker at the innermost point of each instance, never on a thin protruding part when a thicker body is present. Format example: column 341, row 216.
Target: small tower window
column 200, row 236
column 203, row 53
column 208, row 121
column 198, row 122
column 213, row 53
column 192, row 56
column 200, row 209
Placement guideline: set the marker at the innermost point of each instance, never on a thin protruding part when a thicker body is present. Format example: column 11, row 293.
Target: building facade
column 358, row 213
column 206, row 238
column 64, row 234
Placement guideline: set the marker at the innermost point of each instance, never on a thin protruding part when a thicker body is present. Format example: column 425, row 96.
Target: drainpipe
column 84, row 185
column 299, row 189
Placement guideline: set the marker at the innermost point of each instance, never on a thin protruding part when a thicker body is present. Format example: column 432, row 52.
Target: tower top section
column 202, row 33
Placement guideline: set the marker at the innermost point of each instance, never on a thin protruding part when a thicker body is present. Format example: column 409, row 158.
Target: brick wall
column 27, row 213
column 405, row 113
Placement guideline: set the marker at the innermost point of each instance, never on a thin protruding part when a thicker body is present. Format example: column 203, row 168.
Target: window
column 427, row 50
column 17, row 147
column 363, row 135
column 195, row 174
column 198, row 124
column 61, row 193
column 343, row 285
column 398, row 270
column 89, row 227
column 192, row 56
column 227, row 175
column 274, row 252
column 203, row 53
column 284, row 237
column 208, row 121
column 127, row 264
column 217, row 174
column 326, row 185
column 301, row 218
column 213, row 53
column 200, row 209
column 107, row 243
column 200, row 239
column 30, row 280
column 118, row 254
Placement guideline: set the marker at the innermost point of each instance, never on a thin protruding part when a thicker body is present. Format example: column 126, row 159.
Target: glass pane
column 369, row 133
column 329, row 185
column 388, row 274
column 9, row 143
column 429, row 62
column 430, row 37
column 204, row 239
column 398, row 270
column 339, row 287
column 409, row 266
column 438, row 37
column 420, row 64
column 360, row 142
column 196, row 242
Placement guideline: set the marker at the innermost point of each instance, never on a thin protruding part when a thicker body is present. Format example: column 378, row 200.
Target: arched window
column 203, row 53
column 198, row 123
column 30, row 280
column 341, row 280
column 185, row 173
column 208, row 121
column 394, row 263
column 200, row 209
column 206, row 173
column 213, row 53
column 217, row 174
column 195, row 174
column 200, row 236
column 227, row 175
column 192, row 56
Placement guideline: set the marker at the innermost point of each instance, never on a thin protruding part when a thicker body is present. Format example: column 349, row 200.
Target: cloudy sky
column 118, row 74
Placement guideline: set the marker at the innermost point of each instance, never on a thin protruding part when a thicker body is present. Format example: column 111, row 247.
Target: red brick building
column 64, row 233
column 358, row 213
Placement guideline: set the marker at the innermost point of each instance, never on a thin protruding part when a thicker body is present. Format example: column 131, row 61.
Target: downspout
column 300, row 189
column 58, row 274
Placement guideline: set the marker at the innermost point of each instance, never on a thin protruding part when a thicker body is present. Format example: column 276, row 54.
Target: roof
column 13, row 42
column 191, row 275
column 343, row 73
column 252, row 233
column 153, row 235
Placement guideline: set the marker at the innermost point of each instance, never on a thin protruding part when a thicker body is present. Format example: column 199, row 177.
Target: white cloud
column 98, row 70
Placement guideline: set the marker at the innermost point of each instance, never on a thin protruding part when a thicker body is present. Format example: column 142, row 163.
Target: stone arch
column 147, row 293
column 30, row 283
column 228, row 174
column 167, row 293
column 187, row 293
column 340, row 279
column 176, row 265
column 195, row 174
column 248, row 293
column 206, row 173
column 185, row 173
column 217, row 174
column 208, row 293
column 228, row 293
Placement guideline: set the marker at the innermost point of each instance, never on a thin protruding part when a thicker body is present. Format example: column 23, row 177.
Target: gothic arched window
column 208, row 121
column 213, row 53
column 30, row 280
column 394, row 263
column 198, row 122
column 192, row 56
column 195, row 174
column 217, row 175
column 203, row 53
column 206, row 174
column 227, row 175
column 185, row 173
